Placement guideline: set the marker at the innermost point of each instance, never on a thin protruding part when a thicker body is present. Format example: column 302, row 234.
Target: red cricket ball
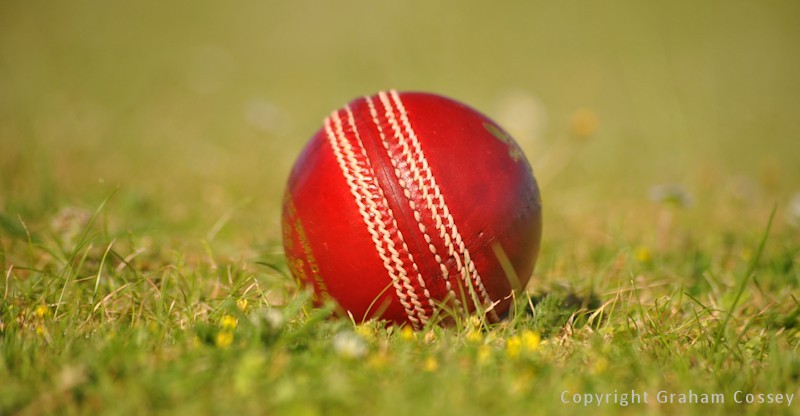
column 411, row 207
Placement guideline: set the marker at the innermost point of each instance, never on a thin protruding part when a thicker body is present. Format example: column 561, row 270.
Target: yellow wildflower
column 530, row 340
column 430, row 364
column 224, row 339
column 484, row 353
column 643, row 254
column 407, row 333
column 475, row 337
column 513, row 346
column 366, row 332
column 228, row 322
column 241, row 304
column 41, row 311
column 583, row 123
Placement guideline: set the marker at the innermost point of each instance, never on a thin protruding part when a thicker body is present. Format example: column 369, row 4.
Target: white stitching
column 415, row 165
column 407, row 193
column 387, row 236
column 358, row 188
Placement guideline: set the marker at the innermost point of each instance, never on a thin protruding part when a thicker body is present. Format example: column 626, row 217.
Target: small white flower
column 793, row 211
column 274, row 318
column 69, row 223
column 524, row 117
column 349, row 345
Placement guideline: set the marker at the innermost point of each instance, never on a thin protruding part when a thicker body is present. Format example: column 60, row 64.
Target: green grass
column 92, row 326
column 144, row 148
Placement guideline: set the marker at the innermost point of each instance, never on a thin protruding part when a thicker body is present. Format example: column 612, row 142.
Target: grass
column 97, row 325
column 141, row 174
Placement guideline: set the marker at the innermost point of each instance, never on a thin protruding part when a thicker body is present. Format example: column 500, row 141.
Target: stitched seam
column 413, row 167
column 348, row 163
column 439, row 211
column 414, row 209
column 392, row 224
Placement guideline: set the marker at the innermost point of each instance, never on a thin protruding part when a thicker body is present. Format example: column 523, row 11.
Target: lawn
column 144, row 149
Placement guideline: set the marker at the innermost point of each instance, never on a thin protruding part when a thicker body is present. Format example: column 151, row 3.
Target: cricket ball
column 412, row 207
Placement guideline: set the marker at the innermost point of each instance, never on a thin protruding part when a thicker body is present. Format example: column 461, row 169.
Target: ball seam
column 356, row 180
column 412, row 205
column 439, row 210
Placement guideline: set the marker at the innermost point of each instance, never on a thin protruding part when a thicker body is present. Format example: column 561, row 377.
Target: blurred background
column 191, row 113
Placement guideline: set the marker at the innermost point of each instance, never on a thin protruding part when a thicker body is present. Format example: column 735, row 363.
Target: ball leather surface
column 407, row 206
